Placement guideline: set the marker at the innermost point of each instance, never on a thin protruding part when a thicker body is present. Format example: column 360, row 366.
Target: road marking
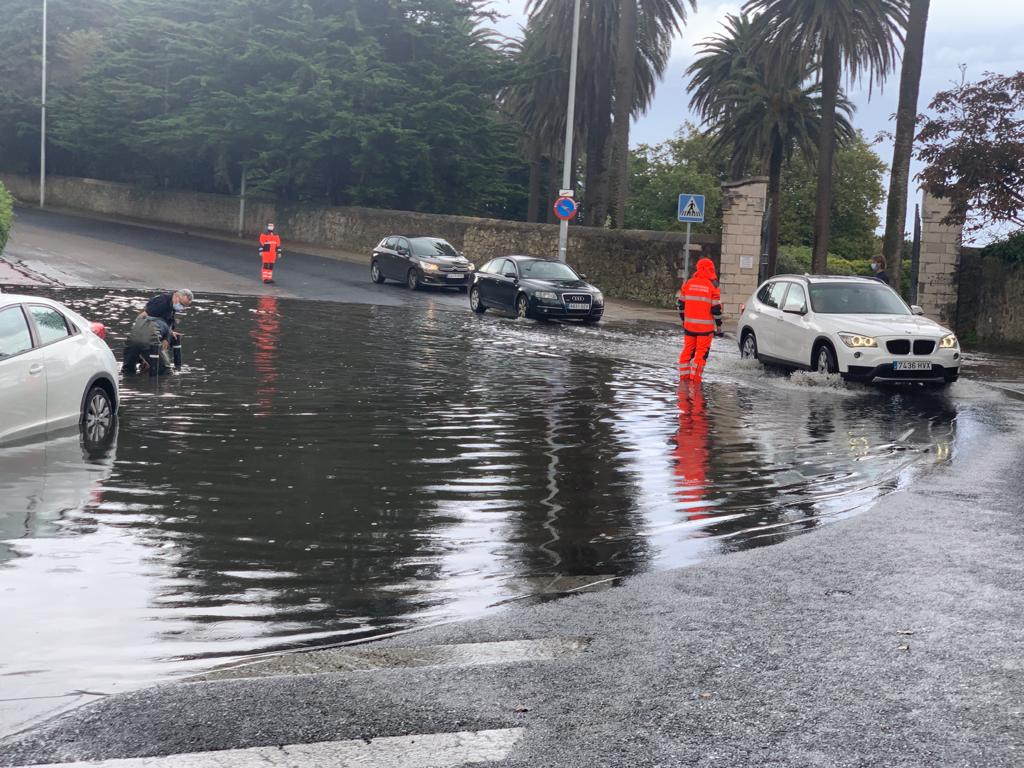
column 363, row 659
column 437, row 750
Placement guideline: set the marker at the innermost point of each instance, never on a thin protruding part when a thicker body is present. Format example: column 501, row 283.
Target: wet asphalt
column 890, row 638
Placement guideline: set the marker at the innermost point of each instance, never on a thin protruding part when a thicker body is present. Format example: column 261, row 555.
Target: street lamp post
column 42, row 124
column 570, row 112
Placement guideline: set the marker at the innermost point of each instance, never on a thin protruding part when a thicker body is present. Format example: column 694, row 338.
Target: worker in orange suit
column 270, row 252
column 700, row 309
column 691, row 453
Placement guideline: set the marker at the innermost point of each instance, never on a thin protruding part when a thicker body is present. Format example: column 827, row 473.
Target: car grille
column 899, row 347
column 902, row 346
column 577, row 298
column 924, row 347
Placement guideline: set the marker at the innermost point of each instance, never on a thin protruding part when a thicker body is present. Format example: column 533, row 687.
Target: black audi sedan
column 535, row 288
column 420, row 261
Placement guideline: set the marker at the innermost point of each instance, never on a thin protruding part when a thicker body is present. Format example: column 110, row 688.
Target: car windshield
column 856, row 299
column 432, row 247
column 546, row 270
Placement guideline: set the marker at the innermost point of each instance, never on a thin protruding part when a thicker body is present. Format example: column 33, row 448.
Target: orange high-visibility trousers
column 694, row 356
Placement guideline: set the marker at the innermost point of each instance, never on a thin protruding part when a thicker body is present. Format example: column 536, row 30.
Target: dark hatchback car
column 535, row 288
column 420, row 261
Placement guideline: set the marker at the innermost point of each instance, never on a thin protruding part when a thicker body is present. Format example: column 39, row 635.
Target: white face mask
column 874, row 266
column 179, row 307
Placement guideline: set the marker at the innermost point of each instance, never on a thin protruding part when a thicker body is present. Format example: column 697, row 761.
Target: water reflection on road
column 323, row 472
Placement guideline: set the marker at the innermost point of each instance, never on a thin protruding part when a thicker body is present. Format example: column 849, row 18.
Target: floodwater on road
column 322, row 472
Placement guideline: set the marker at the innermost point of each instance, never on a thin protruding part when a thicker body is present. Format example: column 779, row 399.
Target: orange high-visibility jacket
column 270, row 243
column 700, row 302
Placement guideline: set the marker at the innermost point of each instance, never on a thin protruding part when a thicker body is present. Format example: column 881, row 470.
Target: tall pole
column 570, row 118
column 42, row 124
column 241, row 203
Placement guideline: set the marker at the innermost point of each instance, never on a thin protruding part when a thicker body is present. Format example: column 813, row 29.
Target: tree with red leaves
column 974, row 150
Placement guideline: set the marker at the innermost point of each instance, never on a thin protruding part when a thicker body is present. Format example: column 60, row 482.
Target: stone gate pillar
column 940, row 261
column 743, row 204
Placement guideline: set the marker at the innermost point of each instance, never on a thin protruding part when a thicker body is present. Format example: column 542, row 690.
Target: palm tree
column 903, row 145
column 644, row 27
column 657, row 22
column 758, row 113
column 858, row 35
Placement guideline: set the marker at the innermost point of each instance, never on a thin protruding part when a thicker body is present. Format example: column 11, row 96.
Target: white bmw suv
column 855, row 326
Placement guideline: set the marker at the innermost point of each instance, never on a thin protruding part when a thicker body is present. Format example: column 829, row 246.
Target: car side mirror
column 403, row 251
column 799, row 311
column 511, row 275
column 916, row 309
column 582, row 276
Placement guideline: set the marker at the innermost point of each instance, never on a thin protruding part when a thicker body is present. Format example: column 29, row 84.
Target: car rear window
column 50, row 323
column 14, row 334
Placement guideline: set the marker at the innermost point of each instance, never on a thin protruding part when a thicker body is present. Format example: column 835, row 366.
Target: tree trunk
column 625, row 76
column 903, row 146
column 554, row 182
column 775, row 198
column 599, row 129
column 536, row 179
column 830, row 66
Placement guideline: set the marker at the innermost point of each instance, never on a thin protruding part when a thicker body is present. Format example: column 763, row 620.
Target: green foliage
column 857, row 193
column 1009, row 250
column 6, row 215
column 796, row 260
column 686, row 163
column 363, row 102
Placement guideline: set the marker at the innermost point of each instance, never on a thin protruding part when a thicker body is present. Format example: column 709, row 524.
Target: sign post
column 570, row 126
column 691, row 210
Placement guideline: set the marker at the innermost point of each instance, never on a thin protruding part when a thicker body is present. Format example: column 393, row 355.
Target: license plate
column 579, row 306
column 456, row 277
column 911, row 365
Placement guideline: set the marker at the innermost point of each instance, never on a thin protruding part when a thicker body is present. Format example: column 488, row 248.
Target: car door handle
column 35, row 370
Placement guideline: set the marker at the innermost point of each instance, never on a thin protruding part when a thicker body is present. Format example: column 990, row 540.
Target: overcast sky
column 986, row 35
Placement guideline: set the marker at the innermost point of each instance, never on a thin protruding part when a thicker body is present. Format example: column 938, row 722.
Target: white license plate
column 911, row 365
column 456, row 277
column 579, row 306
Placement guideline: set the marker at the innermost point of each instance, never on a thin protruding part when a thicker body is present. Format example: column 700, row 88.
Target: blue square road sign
column 691, row 208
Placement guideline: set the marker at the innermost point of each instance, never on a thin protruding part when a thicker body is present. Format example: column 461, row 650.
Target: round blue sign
column 565, row 208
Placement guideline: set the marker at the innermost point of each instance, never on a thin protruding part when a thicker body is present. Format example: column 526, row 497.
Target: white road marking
column 438, row 750
column 364, row 659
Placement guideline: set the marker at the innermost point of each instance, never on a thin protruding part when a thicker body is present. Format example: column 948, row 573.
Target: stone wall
column 989, row 311
column 632, row 265
column 743, row 204
column 940, row 260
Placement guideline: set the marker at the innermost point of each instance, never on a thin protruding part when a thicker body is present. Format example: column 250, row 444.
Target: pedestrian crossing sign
column 691, row 208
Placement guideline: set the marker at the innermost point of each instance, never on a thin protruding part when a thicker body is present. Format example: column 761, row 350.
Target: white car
column 56, row 370
column 855, row 326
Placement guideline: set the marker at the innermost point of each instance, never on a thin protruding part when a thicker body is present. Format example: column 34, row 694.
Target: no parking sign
column 565, row 208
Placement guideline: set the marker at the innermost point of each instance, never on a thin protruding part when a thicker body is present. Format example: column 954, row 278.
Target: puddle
column 324, row 472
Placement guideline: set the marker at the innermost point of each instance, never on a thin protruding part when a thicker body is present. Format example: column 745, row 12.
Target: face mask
column 179, row 307
column 874, row 267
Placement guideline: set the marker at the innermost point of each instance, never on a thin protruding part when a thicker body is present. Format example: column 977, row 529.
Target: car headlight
column 546, row 295
column 472, row 267
column 856, row 340
column 598, row 299
column 428, row 266
column 949, row 342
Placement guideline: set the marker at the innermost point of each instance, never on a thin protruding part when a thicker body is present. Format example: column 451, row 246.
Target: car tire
column 748, row 346
column 825, row 359
column 474, row 301
column 523, row 306
column 412, row 280
column 375, row 274
column 97, row 416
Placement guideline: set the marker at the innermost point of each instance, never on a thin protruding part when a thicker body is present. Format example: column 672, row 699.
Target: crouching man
column 147, row 347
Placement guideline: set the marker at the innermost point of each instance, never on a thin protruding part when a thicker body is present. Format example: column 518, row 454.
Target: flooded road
column 323, row 472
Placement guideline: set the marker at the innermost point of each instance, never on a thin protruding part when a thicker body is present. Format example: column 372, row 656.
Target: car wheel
column 523, row 306
column 748, row 347
column 825, row 360
column 375, row 274
column 474, row 301
column 97, row 416
column 413, row 280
